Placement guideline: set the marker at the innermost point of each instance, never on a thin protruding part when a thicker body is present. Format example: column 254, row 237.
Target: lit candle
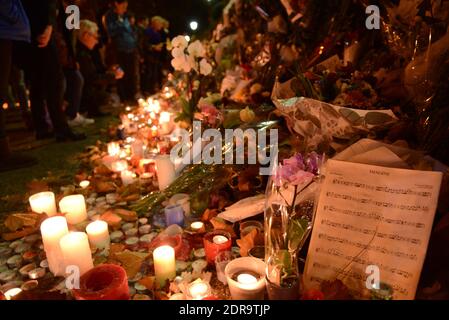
column 216, row 242
column 164, row 121
column 127, row 177
column 76, row 251
column 113, row 149
column 154, row 131
column 11, row 293
column 164, row 117
column 119, row 166
column 43, row 202
column 74, row 208
column 198, row 290
column 52, row 230
column 98, row 234
column 197, row 226
column 84, row 184
column 165, row 169
column 147, row 165
column 164, row 264
column 219, row 239
column 246, row 278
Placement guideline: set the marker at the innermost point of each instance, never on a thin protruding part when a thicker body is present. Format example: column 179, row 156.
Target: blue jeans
column 74, row 91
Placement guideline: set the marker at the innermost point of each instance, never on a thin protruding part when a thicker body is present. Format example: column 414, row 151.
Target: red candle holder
column 214, row 248
column 104, row 282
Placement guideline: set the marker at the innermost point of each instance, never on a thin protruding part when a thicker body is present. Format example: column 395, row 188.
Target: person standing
column 14, row 27
column 125, row 44
column 43, row 69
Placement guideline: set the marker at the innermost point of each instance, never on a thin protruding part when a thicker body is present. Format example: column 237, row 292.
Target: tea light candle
column 197, row 226
column 198, row 290
column 76, row 251
column 145, row 178
column 84, row 184
column 216, row 242
column 52, row 230
column 74, row 208
column 128, row 177
column 174, row 215
column 164, row 264
column 165, row 169
column 43, row 202
column 119, row 166
column 113, row 149
column 246, row 278
column 11, row 293
column 98, row 234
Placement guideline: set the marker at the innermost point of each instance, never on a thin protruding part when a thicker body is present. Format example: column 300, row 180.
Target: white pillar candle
column 164, row 264
column 246, row 278
column 74, row 208
column 76, row 251
column 52, row 230
column 113, row 149
column 98, row 233
column 128, row 177
column 165, row 171
column 43, row 202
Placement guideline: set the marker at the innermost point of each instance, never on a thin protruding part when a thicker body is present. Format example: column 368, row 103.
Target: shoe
column 70, row 136
column 12, row 161
column 79, row 120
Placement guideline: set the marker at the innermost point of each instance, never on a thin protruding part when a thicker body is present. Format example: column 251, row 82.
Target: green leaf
column 377, row 118
column 296, row 232
column 352, row 116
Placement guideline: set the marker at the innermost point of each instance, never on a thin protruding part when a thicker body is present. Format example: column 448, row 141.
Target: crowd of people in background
column 60, row 77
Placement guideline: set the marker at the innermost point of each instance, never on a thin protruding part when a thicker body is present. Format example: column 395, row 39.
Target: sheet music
column 372, row 215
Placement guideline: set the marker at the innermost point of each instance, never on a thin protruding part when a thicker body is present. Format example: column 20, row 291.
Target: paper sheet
column 372, row 215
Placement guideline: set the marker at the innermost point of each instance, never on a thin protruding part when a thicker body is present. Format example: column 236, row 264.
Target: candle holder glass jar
column 174, row 215
column 248, row 226
column 246, row 278
column 214, row 247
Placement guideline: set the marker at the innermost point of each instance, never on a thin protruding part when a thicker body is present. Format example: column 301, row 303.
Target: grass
column 56, row 159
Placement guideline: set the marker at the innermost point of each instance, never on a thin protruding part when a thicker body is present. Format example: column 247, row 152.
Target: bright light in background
column 187, row 38
column 193, row 25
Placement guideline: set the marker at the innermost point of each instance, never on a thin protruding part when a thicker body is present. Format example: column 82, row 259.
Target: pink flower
column 210, row 113
column 297, row 170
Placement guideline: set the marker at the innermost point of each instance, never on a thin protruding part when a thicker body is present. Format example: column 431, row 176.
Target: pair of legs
column 129, row 84
column 74, row 91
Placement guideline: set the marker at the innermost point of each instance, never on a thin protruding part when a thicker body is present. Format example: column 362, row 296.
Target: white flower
column 205, row 67
column 196, row 49
column 179, row 42
column 181, row 63
column 177, row 52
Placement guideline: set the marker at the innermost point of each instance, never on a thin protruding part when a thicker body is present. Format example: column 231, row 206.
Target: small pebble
column 14, row 261
column 117, row 236
column 11, row 285
column 8, row 275
column 3, row 261
column 91, row 201
column 44, row 264
column 36, row 273
column 15, row 244
column 95, row 217
column 181, row 265
column 22, row 248
column 121, row 204
column 127, row 226
column 100, row 200
column 26, row 269
column 132, row 241
column 131, row 232
column 145, row 229
column 111, row 198
column 140, row 287
column 199, row 253
column 29, row 255
column 6, row 252
column 32, row 238
column 178, row 296
column 29, row 285
column 148, row 237
column 91, row 213
column 143, row 221
column 4, row 268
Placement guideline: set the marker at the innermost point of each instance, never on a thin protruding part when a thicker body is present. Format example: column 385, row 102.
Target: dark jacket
column 120, row 31
column 41, row 14
column 14, row 24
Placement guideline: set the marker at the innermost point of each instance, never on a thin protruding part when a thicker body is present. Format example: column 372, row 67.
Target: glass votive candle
column 119, row 166
column 147, row 165
column 183, row 200
column 221, row 261
column 146, row 178
column 174, row 215
column 197, row 226
column 198, row 290
column 43, row 202
column 216, row 242
column 248, row 226
column 246, row 278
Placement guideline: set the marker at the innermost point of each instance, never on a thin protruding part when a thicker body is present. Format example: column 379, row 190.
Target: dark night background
column 181, row 12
